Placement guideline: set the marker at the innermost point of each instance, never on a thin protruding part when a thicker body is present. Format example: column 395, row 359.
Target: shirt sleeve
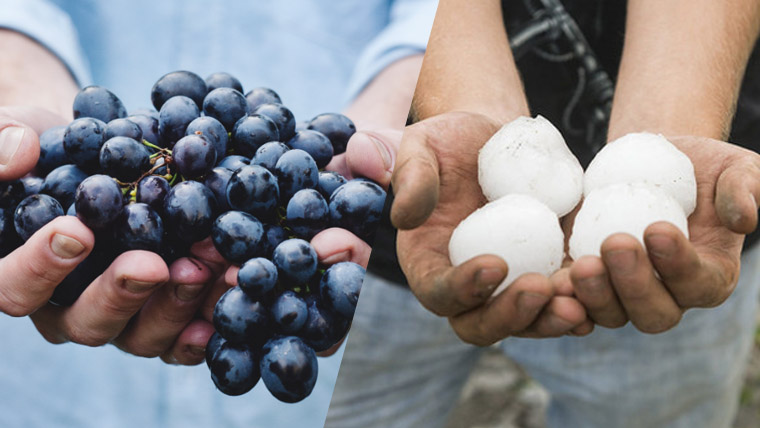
column 51, row 27
column 406, row 34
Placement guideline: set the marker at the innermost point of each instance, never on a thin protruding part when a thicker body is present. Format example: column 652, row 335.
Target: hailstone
column 645, row 158
column 529, row 156
column 519, row 229
column 628, row 208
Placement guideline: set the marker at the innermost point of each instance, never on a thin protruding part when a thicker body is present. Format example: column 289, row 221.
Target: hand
column 436, row 187
column 138, row 303
column 653, row 288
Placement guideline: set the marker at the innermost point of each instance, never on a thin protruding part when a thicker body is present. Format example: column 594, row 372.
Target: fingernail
column 622, row 260
column 489, row 277
column 384, row 153
column 10, row 140
column 337, row 257
column 197, row 351
column 593, row 285
column 138, row 286
column 188, row 292
column 531, row 302
column 66, row 247
column 661, row 246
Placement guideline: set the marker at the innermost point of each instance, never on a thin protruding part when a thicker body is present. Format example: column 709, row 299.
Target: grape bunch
column 211, row 162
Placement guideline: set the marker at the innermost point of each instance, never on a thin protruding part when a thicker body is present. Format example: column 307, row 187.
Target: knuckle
column 14, row 305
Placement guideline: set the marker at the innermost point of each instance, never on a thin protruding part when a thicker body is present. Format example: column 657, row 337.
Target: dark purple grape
column 82, row 141
column 226, row 105
column 253, row 189
column 302, row 125
column 251, row 132
column 329, row 181
column 174, row 117
column 145, row 111
column 213, row 131
column 32, row 185
column 240, row 319
column 259, row 96
column 138, row 227
column 9, row 239
column 289, row 369
column 257, row 277
column 281, row 116
column 337, row 127
column 238, row 236
column 189, row 211
column 268, row 154
column 194, row 156
column 323, row 328
column 315, row 144
column 33, row 213
column 307, row 213
column 356, row 206
column 234, row 162
column 11, row 193
column 62, row 182
column 99, row 201
column 123, row 128
column 152, row 190
column 99, row 103
column 52, row 153
column 340, row 287
column 178, row 83
column 295, row 170
column 274, row 235
column 217, row 181
column 69, row 290
column 223, row 80
column 124, row 158
column 296, row 260
column 234, row 368
column 289, row 312
column 148, row 126
column 214, row 343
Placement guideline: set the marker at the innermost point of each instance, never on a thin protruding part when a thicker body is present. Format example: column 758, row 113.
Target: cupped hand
column 653, row 286
column 436, row 186
column 138, row 303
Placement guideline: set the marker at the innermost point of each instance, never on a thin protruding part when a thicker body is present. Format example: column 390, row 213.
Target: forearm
column 469, row 65
column 32, row 76
column 682, row 66
column 384, row 103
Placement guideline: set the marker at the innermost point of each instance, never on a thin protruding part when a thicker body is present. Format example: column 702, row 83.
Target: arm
column 469, row 86
column 680, row 74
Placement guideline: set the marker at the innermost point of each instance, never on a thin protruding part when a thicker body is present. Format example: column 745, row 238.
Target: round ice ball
column 644, row 158
column 529, row 156
column 628, row 208
column 519, row 229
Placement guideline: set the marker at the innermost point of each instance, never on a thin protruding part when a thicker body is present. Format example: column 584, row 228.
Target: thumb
column 415, row 180
column 372, row 154
column 19, row 138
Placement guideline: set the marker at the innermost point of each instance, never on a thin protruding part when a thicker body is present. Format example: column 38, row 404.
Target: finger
column 586, row 328
column 373, row 154
column 39, row 120
column 218, row 288
column 206, row 252
column 415, row 180
column 693, row 281
column 561, row 282
column 168, row 311
column 339, row 245
column 190, row 347
column 508, row 314
column 450, row 291
column 106, row 306
column 338, row 164
column 647, row 303
column 560, row 316
column 31, row 272
column 593, row 289
column 737, row 197
column 19, row 149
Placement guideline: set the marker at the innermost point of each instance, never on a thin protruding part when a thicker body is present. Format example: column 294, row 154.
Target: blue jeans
column 404, row 367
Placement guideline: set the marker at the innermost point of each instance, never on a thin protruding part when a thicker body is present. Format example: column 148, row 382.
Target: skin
column 139, row 304
column 469, row 86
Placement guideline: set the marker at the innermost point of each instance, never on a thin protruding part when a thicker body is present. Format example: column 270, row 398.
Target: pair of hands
column 436, row 186
column 139, row 304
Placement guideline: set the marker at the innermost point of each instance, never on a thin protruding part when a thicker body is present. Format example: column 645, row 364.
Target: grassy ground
column 499, row 394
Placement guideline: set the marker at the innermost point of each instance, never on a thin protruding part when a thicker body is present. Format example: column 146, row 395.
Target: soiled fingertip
column 415, row 186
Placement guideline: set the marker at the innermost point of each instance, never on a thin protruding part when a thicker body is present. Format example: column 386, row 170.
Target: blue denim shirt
column 317, row 54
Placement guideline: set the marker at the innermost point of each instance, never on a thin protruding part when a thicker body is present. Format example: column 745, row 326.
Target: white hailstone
column 628, row 208
column 529, row 156
column 519, row 229
column 646, row 158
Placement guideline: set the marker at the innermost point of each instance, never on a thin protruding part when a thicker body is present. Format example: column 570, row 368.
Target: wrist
column 681, row 118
